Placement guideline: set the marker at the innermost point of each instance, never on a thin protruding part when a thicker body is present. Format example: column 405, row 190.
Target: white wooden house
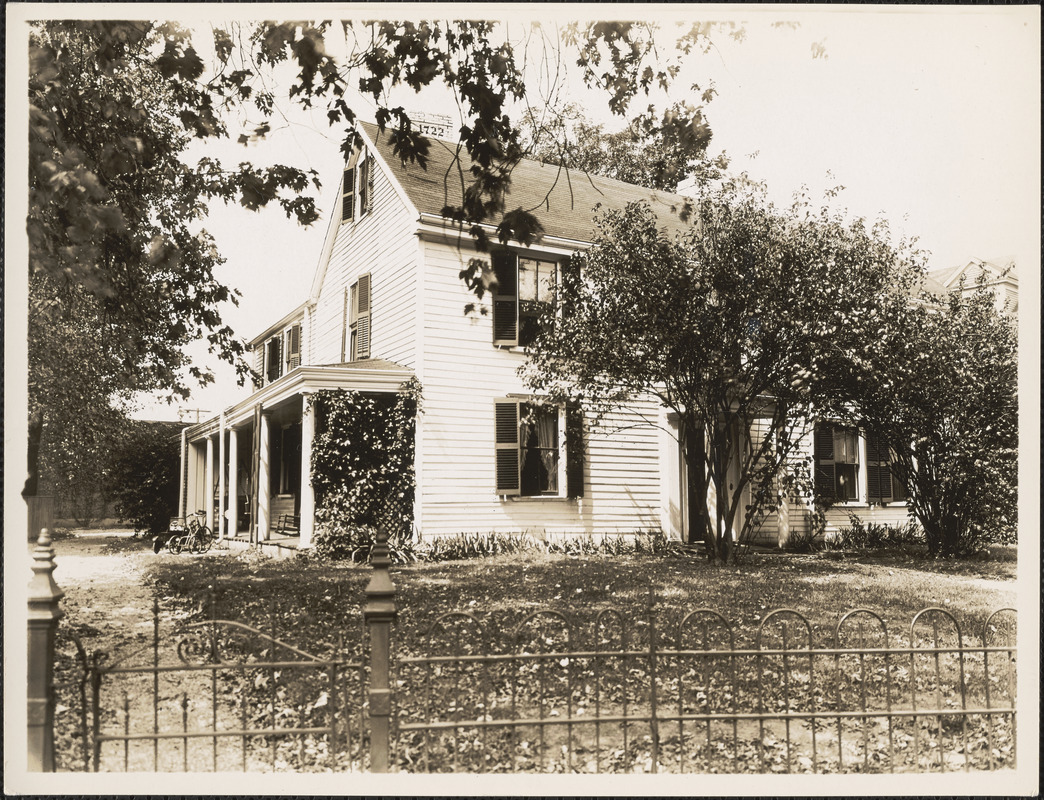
column 386, row 304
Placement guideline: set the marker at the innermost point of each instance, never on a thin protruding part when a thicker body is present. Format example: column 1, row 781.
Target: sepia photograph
column 522, row 399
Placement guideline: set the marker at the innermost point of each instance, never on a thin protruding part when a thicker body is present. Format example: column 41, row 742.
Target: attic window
column 357, row 189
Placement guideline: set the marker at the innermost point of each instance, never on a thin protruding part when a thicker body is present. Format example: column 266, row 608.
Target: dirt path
column 102, row 574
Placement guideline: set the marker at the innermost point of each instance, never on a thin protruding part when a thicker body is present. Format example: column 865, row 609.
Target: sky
column 928, row 116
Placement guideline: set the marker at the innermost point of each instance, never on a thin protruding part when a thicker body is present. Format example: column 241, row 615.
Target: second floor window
column 525, row 291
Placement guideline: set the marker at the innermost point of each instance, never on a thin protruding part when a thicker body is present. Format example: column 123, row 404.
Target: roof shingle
column 563, row 201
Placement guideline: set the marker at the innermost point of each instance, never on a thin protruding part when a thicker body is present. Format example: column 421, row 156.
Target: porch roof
column 371, row 375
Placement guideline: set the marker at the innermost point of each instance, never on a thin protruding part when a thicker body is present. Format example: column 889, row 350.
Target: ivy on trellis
column 363, row 468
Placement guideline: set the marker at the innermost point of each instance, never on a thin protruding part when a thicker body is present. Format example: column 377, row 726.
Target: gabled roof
column 563, row 201
column 994, row 268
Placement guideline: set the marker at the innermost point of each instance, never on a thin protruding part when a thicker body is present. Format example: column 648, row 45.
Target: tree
column 116, row 250
column 120, row 276
column 940, row 386
column 657, row 154
column 142, row 475
column 735, row 325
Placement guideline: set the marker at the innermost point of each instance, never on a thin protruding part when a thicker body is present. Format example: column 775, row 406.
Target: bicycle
column 196, row 536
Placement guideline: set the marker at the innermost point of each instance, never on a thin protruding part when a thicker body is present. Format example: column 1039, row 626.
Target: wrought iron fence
column 616, row 693
column 218, row 695
column 612, row 691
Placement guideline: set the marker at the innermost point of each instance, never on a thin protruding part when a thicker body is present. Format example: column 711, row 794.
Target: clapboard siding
column 383, row 244
column 463, row 375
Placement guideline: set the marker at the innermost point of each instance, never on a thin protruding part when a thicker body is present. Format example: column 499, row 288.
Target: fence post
column 44, row 613
column 654, row 722
column 379, row 613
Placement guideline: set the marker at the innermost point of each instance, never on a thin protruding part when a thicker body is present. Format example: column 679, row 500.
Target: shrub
column 346, row 542
column 475, row 545
column 363, row 472
column 859, row 535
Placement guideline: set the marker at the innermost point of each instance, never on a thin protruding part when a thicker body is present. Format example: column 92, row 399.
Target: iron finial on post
column 379, row 613
column 44, row 596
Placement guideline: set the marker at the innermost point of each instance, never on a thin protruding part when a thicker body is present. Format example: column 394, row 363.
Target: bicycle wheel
column 176, row 544
column 199, row 542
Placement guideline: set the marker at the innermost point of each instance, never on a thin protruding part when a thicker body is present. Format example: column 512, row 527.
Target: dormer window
column 357, row 189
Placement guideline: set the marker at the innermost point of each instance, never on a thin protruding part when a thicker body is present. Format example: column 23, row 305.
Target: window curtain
column 546, row 426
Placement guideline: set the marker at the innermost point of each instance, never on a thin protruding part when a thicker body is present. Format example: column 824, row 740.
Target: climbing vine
column 363, row 469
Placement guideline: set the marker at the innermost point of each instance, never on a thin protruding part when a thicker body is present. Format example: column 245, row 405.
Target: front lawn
column 315, row 598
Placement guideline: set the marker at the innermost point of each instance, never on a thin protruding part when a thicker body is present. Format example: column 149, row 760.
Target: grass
column 315, row 606
column 821, row 587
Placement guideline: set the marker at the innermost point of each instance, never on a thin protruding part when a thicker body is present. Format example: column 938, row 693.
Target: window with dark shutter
column 836, row 453
column 508, row 472
column 524, row 294
column 529, row 458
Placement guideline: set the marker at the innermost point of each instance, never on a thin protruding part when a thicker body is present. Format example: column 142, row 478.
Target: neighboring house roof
column 277, row 326
column 932, row 285
column 996, row 269
column 564, row 201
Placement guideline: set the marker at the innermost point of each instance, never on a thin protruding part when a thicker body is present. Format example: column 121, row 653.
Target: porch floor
column 276, row 546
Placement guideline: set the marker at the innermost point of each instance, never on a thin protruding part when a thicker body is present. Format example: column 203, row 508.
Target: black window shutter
column 365, row 185
column 878, row 477
column 575, row 450
column 293, row 358
column 348, row 201
column 823, row 447
column 505, row 298
column 508, row 467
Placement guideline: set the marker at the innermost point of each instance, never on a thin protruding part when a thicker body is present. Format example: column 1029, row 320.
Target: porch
column 247, row 469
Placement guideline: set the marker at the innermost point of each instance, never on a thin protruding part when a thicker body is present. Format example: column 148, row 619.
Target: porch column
column 222, row 467
column 233, row 483
column 307, row 493
column 191, row 500
column 183, row 475
column 208, row 483
column 263, row 480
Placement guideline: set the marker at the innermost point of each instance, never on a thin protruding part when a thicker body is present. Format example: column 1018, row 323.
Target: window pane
column 539, row 441
column 845, row 486
column 527, row 279
column 535, row 279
